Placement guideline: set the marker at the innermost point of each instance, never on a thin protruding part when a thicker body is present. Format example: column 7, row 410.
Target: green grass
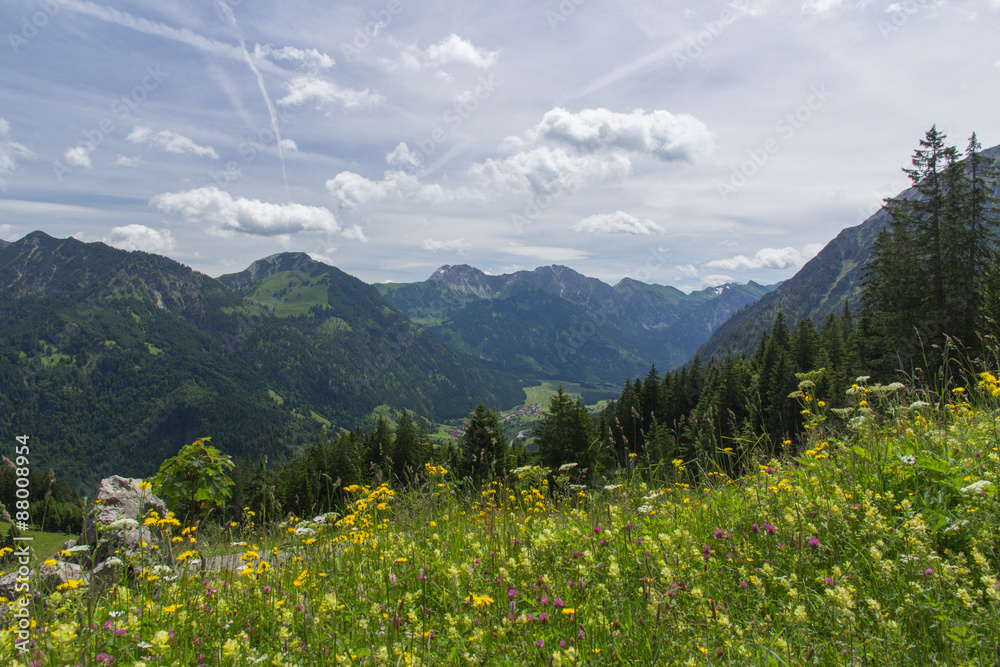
column 292, row 293
column 43, row 544
column 874, row 544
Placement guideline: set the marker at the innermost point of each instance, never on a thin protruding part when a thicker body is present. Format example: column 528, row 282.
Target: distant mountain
column 821, row 287
column 110, row 360
column 555, row 323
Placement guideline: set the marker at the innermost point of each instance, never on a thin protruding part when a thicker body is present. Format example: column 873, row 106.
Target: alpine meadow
column 385, row 333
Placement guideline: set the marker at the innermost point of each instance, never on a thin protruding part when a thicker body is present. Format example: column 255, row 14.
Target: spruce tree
column 567, row 434
column 484, row 450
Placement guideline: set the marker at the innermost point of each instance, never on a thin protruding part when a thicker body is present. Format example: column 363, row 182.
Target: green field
column 43, row 545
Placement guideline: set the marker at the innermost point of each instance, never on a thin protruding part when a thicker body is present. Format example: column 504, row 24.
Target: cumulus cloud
column 289, row 145
column 352, row 190
column 140, row 237
column 312, row 59
column 79, row 156
column 459, row 245
column 223, row 214
column 618, row 222
column 10, row 150
column 169, row 141
column 302, row 89
column 548, row 170
column 402, row 156
column 765, row 258
column 452, row 50
column 663, row 135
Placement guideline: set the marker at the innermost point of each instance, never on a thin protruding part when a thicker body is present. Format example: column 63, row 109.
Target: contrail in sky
column 263, row 91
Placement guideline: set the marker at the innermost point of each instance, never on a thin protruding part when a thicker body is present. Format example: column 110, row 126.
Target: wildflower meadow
column 874, row 542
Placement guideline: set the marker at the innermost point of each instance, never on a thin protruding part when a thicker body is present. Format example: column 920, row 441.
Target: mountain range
column 110, row 360
column 554, row 323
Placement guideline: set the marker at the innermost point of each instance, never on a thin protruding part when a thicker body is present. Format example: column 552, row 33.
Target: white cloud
column 10, row 150
column 544, row 169
column 765, row 258
column 289, row 145
column 224, row 214
column 660, row 133
column 302, row 89
column 401, row 156
column 312, row 59
column 79, row 156
column 452, row 50
column 455, row 244
column 140, row 237
column 127, row 161
column 618, row 222
column 545, row 253
column 352, row 190
column 169, row 141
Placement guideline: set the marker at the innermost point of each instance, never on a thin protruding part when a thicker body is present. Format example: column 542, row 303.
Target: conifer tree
column 484, row 449
column 567, row 434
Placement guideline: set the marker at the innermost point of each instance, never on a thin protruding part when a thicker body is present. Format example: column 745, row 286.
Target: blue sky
column 683, row 144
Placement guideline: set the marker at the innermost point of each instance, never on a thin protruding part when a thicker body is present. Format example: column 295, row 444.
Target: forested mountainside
column 554, row 323
column 113, row 359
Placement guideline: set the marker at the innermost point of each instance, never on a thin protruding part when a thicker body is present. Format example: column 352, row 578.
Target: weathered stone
column 50, row 577
column 114, row 521
column 9, row 585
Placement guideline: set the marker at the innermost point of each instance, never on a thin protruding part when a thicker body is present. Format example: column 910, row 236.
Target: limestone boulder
column 114, row 521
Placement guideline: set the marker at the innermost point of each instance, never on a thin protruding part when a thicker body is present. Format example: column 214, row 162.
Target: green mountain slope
column 556, row 324
column 822, row 286
column 112, row 360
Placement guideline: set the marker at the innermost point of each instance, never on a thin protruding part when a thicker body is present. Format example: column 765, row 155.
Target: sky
column 686, row 144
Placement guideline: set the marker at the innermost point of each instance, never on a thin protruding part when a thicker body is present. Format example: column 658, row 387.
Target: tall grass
column 875, row 547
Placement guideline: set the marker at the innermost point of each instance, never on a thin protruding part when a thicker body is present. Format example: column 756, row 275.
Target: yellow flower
column 480, row 601
column 64, row 633
column 145, row 486
column 50, row 562
column 161, row 641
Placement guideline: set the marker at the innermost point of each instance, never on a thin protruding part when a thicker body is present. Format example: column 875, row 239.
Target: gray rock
column 114, row 521
column 50, row 577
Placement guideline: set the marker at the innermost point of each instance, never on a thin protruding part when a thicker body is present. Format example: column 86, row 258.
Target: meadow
column 875, row 542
